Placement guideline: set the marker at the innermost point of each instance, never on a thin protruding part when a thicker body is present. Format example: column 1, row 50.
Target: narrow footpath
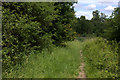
column 82, row 72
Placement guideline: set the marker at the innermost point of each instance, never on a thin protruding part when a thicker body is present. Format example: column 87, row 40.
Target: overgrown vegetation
column 38, row 41
column 112, row 32
column 101, row 58
column 33, row 26
column 63, row 62
column 100, row 25
column 101, row 55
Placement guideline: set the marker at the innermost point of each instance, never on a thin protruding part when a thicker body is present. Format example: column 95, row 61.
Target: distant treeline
column 100, row 25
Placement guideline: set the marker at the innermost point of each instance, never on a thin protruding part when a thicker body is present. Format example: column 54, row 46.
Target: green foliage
column 93, row 27
column 98, row 22
column 83, row 26
column 61, row 63
column 33, row 26
column 101, row 58
column 113, row 27
column 21, row 34
column 63, row 23
column 100, row 25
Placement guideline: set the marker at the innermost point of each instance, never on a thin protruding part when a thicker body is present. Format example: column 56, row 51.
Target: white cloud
column 107, row 1
column 109, row 8
column 85, row 7
column 97, row 1
column 91, row 7
column 87, row 14
column 78, row 5
column 86, row 1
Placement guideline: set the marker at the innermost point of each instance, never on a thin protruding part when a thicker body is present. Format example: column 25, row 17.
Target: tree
column 34, row 26
column 62, row 25
column 83, row 26
column 98, row 21
column 112, row 32
column 96, row 15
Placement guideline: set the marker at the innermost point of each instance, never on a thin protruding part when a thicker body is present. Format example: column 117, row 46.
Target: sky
column 86, row 7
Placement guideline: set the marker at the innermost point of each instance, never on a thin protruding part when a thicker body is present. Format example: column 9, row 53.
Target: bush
column 101, row 58
column 31, row 26
column 21, row 34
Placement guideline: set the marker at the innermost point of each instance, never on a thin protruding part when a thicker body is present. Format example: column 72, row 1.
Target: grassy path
column 95, row 58
column 82, row 72
column 63, row 62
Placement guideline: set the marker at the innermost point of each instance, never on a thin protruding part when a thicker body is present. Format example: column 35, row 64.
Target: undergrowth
column 101, row 58
column 63, row 62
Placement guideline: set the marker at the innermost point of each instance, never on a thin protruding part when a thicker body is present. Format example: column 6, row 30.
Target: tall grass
column 63, row 62
column 101, row 58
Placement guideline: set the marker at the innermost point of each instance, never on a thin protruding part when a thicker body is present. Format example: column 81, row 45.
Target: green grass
column 101, row 58
column 63, row 62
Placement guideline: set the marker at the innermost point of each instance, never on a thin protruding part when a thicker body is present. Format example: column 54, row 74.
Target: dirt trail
column 82, row 72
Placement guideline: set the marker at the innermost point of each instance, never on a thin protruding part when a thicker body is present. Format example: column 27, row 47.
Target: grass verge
column 63, row 62
column 101, row 58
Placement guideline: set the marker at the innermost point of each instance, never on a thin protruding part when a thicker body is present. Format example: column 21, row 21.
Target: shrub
column 21, row 34
column 101, row 58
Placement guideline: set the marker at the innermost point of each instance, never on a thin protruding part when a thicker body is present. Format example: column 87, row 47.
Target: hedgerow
column 33, row 26
column 101, row 58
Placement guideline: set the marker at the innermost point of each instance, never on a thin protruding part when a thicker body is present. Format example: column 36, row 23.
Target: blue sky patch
column 86, row 7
